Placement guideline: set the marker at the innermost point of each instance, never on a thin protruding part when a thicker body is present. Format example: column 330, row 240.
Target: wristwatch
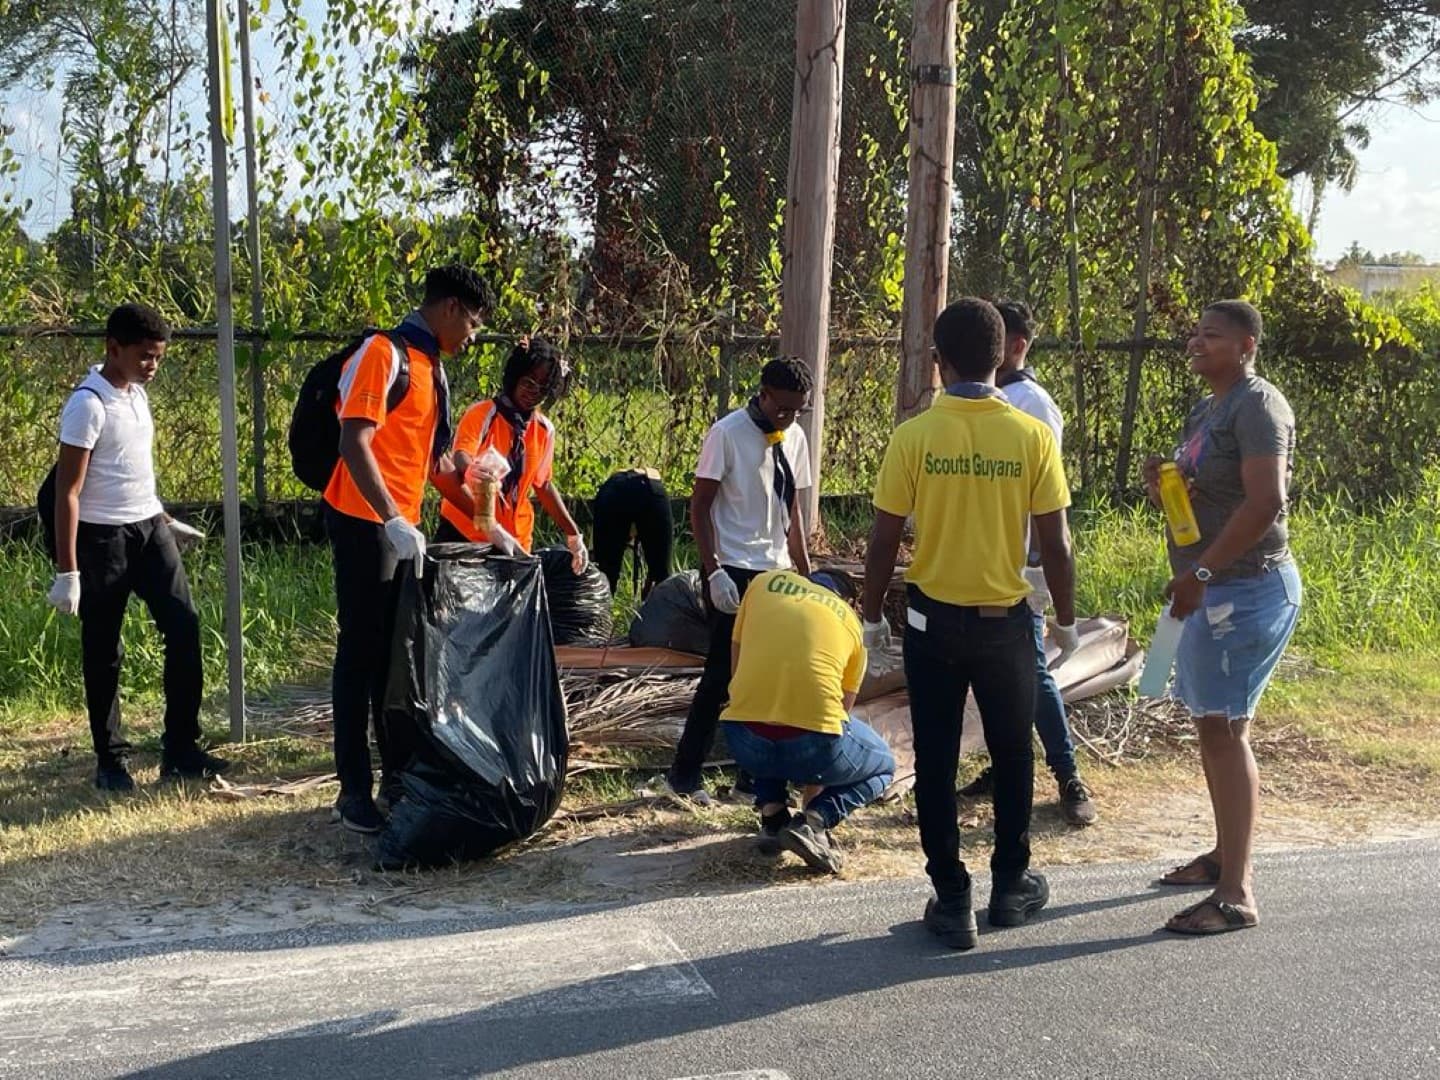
column 1203, row 574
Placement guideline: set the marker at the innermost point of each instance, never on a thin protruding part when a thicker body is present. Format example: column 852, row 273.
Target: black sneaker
column 1013, row 902
column 358, row 813
column 808, row 838
column 1075, row 802
column 768, row 840
column 114, row 777
column 952, row 921
column 981, row 786
column 192, row 764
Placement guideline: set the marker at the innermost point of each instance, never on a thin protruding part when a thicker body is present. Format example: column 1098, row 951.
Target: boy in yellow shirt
column 973, row 470
column 798, row 660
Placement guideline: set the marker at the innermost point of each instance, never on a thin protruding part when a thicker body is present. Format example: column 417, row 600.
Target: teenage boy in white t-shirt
column 745, row 514
column 1023, row 391
column 113, row 538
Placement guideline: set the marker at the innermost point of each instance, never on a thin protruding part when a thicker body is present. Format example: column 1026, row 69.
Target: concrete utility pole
column 927, row 215
column 810, row 210
column 225, row 346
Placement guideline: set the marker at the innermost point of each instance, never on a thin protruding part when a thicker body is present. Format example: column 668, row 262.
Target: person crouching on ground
column 512, row 424
column 113, row 538
column 1237, row 591
column 798, row 661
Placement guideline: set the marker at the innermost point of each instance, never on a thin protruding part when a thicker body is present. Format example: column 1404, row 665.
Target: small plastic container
column 1160, row 657
column 1175, row 498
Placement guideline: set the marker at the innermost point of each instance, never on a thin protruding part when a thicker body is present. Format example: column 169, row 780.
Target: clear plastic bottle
column 1160, row 657
column 1175, row 498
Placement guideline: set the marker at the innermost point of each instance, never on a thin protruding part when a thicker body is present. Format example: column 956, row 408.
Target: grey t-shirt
column 1252, row 420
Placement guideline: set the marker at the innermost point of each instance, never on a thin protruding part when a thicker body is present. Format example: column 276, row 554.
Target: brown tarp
column 1106, row 660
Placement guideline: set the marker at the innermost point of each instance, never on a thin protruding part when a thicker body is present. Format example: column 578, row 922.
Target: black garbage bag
column 473, row 705
column 580, row 611
column 673, row 616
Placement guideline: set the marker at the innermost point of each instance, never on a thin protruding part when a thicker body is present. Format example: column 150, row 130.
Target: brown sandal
column 1204, row 862
column 1235, row 918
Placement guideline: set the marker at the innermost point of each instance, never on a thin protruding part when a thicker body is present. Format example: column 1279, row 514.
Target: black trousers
column 713, row 693
column 626, row 501
column 115, row 561
column 365, row 598
column 961, row 650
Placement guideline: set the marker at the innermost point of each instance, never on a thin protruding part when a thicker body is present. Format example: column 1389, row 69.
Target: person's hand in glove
column 724, row 593
column 877, row 636
column 1039, row 598
column 407, row 541
column 506, row 544
column 64, row 595
column 1068, row 639
column 579, row 556
column 186, row 536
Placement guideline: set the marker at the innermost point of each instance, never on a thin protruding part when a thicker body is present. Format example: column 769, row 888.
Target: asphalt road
column 1342, row 979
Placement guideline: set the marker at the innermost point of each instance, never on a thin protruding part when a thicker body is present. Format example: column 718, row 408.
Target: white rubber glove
column 579, row 556
column 1068, row 639
column 724, row 593
column 64, row 595
column 877, row 635
column 407, row 541
column 186, row 536
column 1039, row 598
column 506, row 544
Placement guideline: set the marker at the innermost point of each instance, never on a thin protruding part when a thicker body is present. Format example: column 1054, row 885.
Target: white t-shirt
column 1030, row 397
column 116, row 428
column 746, row 515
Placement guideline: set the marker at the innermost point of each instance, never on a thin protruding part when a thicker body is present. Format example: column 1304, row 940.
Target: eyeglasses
column 534, row 385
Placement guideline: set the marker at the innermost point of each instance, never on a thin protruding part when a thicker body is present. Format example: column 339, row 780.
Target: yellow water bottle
column 1175, row 498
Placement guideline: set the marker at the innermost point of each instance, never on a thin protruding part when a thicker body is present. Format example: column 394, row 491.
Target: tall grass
column 1371, row 579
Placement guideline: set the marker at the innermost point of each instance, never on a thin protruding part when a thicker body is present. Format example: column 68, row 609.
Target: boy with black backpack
column 390, row 443
column 112, row 538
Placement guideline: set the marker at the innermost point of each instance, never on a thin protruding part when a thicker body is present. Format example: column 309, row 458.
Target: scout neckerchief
column 783, row 483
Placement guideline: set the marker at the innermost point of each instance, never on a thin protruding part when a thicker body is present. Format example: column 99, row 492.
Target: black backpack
column 315, row 427
column 45, row 498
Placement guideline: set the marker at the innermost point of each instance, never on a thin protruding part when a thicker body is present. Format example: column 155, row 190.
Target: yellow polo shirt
column 972, row 471
column 801, row 652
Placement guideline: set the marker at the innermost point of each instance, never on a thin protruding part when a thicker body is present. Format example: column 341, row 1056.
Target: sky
column 1394, row 206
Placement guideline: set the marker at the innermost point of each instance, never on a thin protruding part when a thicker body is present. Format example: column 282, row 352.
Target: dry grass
column 1342, row 757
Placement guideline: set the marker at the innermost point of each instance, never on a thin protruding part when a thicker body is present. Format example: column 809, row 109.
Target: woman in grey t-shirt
column 1237, row 591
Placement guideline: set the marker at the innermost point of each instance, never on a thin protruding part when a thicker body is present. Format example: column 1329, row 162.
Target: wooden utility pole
column 927, row 214
column 810, row 210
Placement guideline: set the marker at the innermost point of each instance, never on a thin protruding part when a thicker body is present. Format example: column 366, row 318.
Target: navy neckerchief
column 1010, row 378
column 519, row 421
column 417, row 332
column 972, row 390
column 783, row 481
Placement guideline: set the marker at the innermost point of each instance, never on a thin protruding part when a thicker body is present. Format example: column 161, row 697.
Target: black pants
column 115, row 561
column 712, row 694
column 961, row 650
column 365, row 597
column 626, row 501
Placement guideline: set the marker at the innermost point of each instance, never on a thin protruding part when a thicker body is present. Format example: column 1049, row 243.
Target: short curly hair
column 1242, row 315
column 130, row 324
column 455, row 281
column 787, row 373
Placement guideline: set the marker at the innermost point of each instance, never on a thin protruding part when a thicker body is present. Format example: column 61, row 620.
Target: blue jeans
column 1050, row 722
column 855, row 767
column 1231, row 646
